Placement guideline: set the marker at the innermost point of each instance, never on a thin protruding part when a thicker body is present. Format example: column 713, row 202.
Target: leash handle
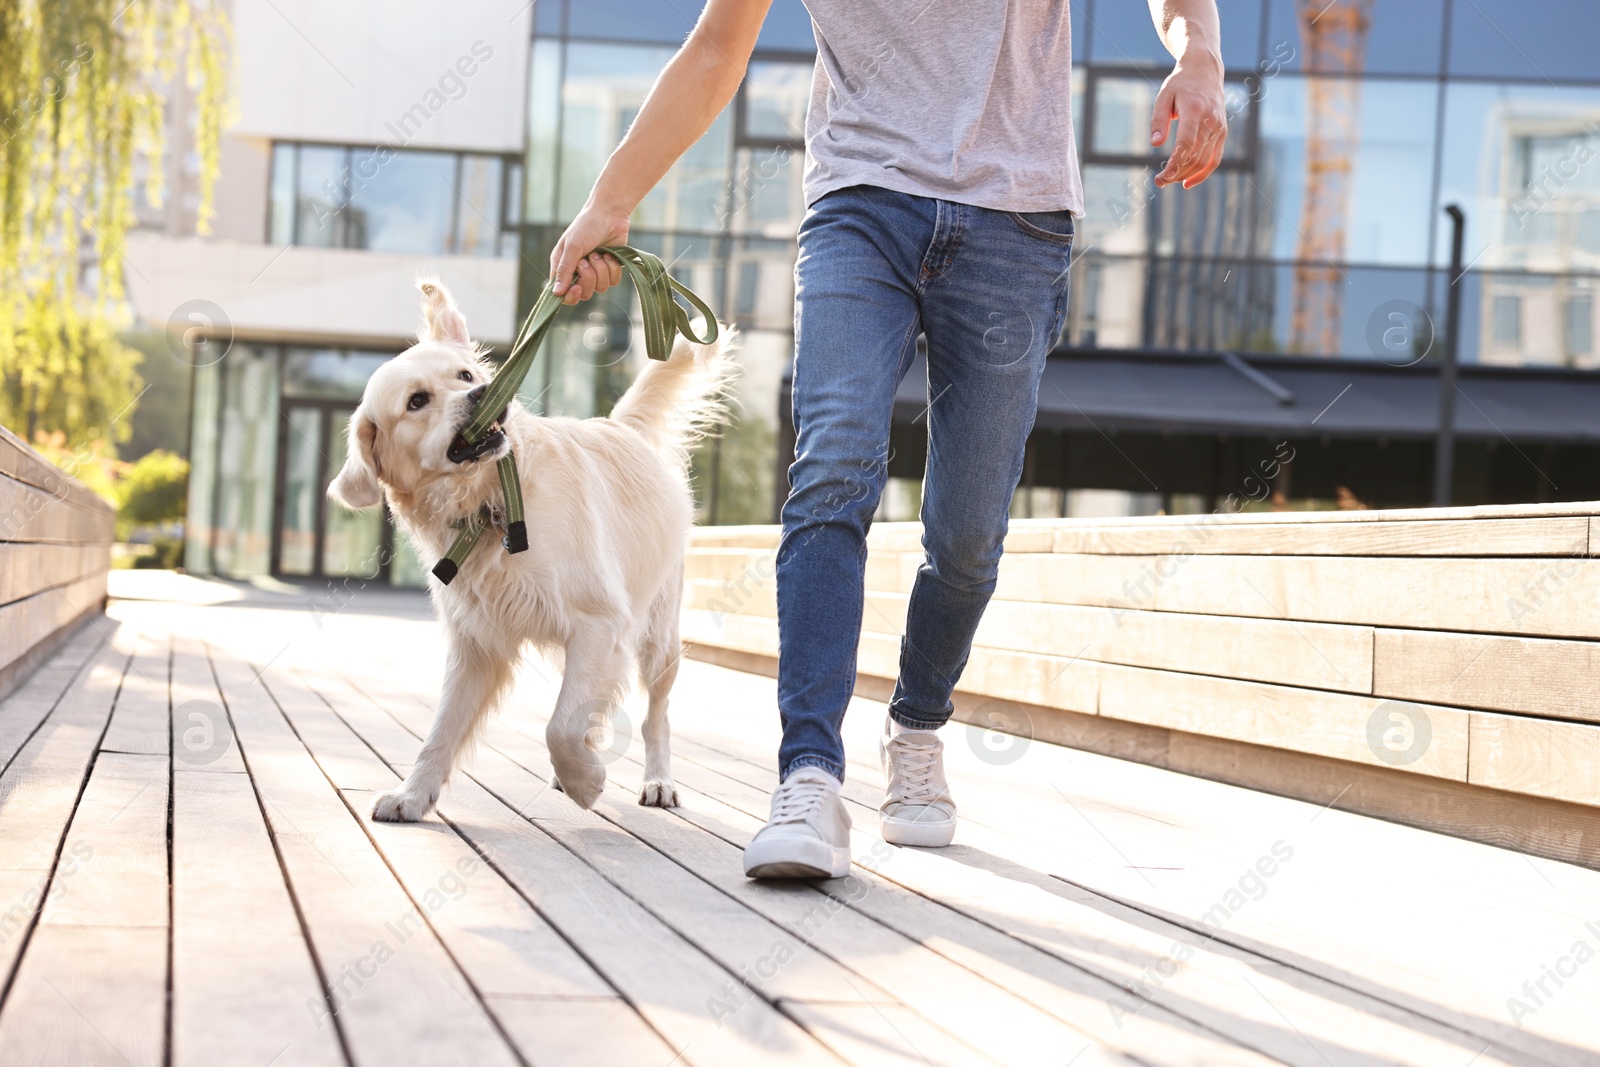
column 664, row 319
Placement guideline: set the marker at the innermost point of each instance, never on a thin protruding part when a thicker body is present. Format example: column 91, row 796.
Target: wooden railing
column 55, row 549
column 1437, row 667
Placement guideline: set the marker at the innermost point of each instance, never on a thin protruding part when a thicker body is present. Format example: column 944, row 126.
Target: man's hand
column 1192, row 95
column 578, row 273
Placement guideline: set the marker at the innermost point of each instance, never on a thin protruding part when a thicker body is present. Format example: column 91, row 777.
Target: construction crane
column 1333, row 38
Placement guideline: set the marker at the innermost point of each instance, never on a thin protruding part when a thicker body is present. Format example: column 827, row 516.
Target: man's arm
column 1192, row 93
column 686, row 99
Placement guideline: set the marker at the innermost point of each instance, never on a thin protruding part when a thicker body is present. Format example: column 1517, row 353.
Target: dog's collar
column 471, row 528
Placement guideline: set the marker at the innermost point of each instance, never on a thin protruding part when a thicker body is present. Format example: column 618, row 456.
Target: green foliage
column 82, row 107
column 153, row 490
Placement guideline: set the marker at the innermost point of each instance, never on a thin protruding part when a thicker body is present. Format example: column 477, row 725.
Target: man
column 941, row 184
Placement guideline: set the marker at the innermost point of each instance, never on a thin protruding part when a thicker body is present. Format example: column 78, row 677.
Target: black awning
column 1211, row 393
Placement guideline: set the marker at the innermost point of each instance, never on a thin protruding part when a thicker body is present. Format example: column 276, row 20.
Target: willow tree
column 83, row 112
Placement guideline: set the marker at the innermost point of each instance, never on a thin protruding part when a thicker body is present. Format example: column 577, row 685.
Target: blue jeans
column 988, row 289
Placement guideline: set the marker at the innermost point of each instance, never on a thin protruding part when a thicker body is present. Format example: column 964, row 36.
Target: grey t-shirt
column 964, row 100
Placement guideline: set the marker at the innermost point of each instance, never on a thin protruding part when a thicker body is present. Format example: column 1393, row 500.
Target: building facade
column 1295, row 304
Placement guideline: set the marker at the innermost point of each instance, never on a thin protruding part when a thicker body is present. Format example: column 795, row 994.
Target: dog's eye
column 465, row 376
column 417, row 401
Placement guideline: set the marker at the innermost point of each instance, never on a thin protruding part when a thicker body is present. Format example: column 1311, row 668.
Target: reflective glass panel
column 328, row 373
column 352, row 544
column 402, row 202
column 1401, row 37
column 323, row 197
column 1521, row 160
column 1550, row 40
column 1370, row 181
column 302, row 474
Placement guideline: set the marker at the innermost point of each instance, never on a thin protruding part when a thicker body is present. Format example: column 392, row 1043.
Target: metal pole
column 1445, row 446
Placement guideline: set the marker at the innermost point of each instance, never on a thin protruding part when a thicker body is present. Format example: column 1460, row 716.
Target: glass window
column 766, row 197
column 1122, row 33
column 1507, row 311
column 634, row 20
column 604, row 88
column 353, row 544
column 322, row 198
column 1511, row 39
column 303, row 448
column 1521, row 160
column 478, row 213
column 1580, row 325
column 1399, row 38
column 203, row 469
column 544, row 124
column 776, row 96
column 1375, row 191
column 245, row 462
column 1122, row 107
column 281, row 225
column 547, row 16
column 328, row 374
column 402, row 202
column 788, row 26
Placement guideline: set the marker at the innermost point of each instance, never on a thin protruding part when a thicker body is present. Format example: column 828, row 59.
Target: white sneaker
column 917, row 809
column 808, row 834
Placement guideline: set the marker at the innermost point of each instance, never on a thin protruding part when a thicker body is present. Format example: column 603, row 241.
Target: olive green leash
column 664, row 319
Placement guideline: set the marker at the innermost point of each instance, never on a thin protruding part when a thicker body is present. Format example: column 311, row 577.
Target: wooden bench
column 55, row 549
column 1434, row 667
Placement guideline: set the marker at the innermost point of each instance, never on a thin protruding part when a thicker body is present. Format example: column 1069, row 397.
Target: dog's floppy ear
column 441, row 319
column 356, row 485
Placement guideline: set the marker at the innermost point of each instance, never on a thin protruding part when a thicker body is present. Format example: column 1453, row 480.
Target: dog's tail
column 678, row 402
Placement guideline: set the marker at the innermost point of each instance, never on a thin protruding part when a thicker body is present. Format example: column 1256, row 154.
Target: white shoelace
column 914, row 765
column 798, row 799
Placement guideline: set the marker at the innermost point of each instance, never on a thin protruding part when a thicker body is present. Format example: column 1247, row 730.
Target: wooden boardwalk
column 188, row 875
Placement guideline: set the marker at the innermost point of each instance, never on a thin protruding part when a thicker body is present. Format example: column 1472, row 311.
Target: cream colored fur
column 608, row 510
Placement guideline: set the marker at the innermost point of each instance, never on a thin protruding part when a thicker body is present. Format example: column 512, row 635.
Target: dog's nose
column 476, row 395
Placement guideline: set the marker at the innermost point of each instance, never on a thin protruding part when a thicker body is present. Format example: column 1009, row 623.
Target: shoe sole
column 789, row 857
column 925, row 834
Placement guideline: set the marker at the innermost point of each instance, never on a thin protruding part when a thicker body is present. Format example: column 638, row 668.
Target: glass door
column 302, row 484
column 317, row 537
column 352, row 543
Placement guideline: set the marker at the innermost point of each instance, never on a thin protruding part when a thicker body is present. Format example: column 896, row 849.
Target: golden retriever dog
column 608, row 510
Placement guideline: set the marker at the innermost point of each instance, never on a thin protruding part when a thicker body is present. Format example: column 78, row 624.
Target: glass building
column 1293, row 305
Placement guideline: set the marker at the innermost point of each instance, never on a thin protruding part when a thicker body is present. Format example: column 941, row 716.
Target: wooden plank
column 887, row 1034
column 245, row 994
column 1547, row 678
column 1425, row 739
column 1531, row 597
column 89, row 996
column 1551, row 759
column 202, row 737
column 636, row 942
column 1403, row 950
column 937, row 981
column 119, row 837
column 142, row 722
column 92, row 986
column 40, row 787
column 1316, row 655
column 26, row 569
column 1216, row 535
column 22, row 463
column 573, row 1032
column 391, row 988
column 499, row 940
column 28, row 513
column 1112, row 939
column 24, row 623
column 940, row 991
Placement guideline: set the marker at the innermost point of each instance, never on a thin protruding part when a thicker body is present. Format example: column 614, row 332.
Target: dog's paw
column 658, row 793
column 555, row 783
column 402, row 805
